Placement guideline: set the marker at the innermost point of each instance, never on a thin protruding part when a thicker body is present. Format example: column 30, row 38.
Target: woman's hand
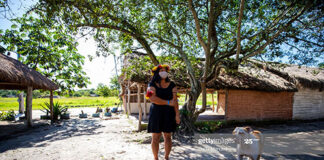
column 172, row 102
column 177, row 119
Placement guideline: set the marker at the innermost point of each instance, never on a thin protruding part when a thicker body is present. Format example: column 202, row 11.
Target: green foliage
column 48, row 48
column 114, row 84
column 167, row 25
column 9, row 115
column 41, row 93
column 114, row 92
column 103, row 90
column 5, row 93
column 321, row 65
column 58, row 109
column 208, row 126
column 80, row 93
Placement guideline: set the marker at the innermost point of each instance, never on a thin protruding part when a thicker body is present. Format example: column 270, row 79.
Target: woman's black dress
column 162, row 117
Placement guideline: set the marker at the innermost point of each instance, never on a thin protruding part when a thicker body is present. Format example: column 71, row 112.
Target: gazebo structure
column 256, row 91
column 15, row 75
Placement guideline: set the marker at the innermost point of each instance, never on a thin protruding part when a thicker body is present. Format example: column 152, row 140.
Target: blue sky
column 100, row 70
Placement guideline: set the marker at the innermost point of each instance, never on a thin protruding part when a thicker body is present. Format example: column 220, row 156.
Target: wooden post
column 145, row 104
column 213, row 101
column 139, row 106
column 51, row 106
column 128, row 100
column 124, row 104
column 226, row 101
column 124, row 100
column 217, row 107
column 29, row 110
column 21, row 103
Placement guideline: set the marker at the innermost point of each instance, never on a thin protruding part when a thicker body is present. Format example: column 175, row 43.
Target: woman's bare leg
column 155, row 144
column 167, row 144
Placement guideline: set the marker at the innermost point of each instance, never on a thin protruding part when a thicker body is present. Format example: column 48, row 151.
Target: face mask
column 163, row 74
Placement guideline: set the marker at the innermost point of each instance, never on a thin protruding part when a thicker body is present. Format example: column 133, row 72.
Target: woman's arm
column 155, row 99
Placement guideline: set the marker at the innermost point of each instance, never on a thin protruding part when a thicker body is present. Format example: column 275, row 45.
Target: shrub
column 10, row 115
column 208, row 126
column 57, row 109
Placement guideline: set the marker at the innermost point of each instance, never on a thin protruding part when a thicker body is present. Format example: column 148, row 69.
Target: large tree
column 213, row 31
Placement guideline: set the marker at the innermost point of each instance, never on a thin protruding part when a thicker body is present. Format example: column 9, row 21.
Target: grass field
column 199, row 101
column 12, row 103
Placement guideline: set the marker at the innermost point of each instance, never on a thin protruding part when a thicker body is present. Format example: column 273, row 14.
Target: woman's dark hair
column 156, row 77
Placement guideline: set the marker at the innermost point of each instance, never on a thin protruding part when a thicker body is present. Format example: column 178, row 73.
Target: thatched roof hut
column 16, row 75
column 308, row 102
column 248, row 77
column 252, row 75
column 257, row 90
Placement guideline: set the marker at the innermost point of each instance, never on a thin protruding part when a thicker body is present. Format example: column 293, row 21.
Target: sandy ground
column 116, row 138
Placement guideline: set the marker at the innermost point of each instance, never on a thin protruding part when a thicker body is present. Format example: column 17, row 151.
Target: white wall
column 134, row 107
column 308, row 104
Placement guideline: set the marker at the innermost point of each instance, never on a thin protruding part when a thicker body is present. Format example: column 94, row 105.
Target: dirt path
column 115, row 139
column 76, row 139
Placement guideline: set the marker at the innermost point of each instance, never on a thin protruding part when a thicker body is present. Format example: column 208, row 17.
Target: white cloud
column 100, row 69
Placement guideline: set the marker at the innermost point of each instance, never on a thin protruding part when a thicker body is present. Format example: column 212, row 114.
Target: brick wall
column 258, row 105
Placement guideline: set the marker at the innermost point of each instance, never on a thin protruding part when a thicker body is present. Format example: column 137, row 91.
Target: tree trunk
column 21, row 102
column 187, row 114
column 139, row 107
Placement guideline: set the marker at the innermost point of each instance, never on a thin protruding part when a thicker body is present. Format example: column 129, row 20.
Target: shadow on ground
column 49, row 133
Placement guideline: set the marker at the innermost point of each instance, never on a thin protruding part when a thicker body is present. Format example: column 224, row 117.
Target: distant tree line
column 101, row 90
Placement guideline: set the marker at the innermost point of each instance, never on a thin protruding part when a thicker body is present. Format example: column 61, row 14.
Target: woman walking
column 164, row 110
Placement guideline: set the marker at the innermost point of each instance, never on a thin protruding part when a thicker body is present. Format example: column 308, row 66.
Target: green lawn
column 199, row 102
column 12, row 103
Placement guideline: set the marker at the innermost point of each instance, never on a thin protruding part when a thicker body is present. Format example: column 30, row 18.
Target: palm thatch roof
column 306, row 77
column 16, row 75
column 251, row 75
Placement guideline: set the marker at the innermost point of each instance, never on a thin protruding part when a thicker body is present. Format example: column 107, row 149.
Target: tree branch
column 140, row 53
column 197, row 24
column 238, row 39
column 274, row 23
column 294, row 37
column 258, row 51
column 106, row 26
